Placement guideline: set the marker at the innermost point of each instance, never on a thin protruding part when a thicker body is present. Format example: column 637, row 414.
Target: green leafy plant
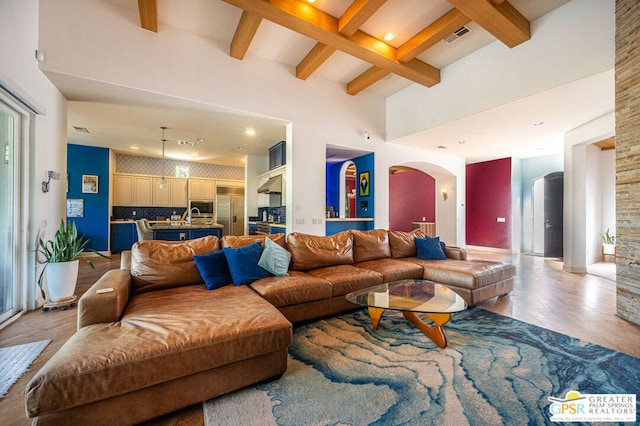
column 66, row 246
column 607, row 238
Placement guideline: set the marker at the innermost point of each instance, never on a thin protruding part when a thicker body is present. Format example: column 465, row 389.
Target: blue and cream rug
column 495, row 370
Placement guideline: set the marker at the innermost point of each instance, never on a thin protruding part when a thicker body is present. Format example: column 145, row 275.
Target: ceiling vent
column 80, row 129
column 186, row 143
column 456, row 34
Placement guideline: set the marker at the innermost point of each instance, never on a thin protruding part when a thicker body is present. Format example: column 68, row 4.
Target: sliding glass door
column 10, row 301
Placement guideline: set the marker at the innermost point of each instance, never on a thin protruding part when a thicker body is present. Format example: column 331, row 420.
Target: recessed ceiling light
column 240, row 147
column 200, row 139
column 462, row 142
column 250, row 132
column 389, row 36
column 538, row 123
column 134, row 147
column 442, row 147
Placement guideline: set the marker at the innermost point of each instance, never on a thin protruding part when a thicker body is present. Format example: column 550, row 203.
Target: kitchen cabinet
column 277, row 155
column 273, row 200
column 123, row 235
column 173, row 195
column 142, row 191
column 185, row 234
column 202, row 189
column 145, row 191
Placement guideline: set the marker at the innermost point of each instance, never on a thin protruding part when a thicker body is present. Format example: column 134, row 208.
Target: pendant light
column 163, row 181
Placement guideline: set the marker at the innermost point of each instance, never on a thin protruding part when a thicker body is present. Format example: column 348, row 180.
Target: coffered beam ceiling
column 498, row 17
column 305, row 19
column 148, row 14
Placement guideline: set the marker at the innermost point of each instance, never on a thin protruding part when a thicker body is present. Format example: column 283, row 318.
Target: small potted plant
column 608, row 243
column 61, row 262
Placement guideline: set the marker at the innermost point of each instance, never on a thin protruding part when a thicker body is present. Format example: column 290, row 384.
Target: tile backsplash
column 279, row 213
column 151, row 213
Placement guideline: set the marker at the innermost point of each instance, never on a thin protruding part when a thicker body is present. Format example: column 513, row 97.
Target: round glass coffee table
column 412, row 297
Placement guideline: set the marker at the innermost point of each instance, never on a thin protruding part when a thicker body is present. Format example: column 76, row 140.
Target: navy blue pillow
column 429, row 248
column 214, row 269
column 243, row 263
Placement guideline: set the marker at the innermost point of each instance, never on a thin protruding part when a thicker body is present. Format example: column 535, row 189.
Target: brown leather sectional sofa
column 160, row 341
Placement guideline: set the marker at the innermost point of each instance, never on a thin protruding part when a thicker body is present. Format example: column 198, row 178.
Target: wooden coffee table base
column 434, row 333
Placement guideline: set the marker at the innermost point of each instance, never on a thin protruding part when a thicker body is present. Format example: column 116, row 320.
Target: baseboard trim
column 489, row 249
column 574, row 270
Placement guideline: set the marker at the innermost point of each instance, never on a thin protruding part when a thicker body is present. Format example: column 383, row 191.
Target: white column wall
column 47, row 150
column 576, row 212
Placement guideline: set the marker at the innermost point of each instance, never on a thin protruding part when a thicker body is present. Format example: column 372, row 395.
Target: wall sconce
column 50, row 175
column 444, row 194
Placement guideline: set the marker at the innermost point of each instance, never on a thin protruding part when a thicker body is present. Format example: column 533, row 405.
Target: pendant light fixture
column 163, row 181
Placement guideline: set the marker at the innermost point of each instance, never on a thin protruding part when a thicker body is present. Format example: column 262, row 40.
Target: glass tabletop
column 410, row 295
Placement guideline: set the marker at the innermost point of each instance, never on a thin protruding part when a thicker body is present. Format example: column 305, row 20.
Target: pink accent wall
column 411, row 197
column 488, row 198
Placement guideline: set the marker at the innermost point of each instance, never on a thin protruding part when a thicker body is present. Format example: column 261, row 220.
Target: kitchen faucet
column 191, row 212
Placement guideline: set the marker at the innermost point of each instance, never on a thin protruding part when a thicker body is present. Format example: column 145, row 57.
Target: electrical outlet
column 134, row 212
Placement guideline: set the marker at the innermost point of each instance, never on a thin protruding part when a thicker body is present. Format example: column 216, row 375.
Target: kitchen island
column 177, row 231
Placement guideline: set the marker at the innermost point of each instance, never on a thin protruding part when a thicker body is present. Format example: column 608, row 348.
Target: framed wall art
column 89, row 184
column 75, row 207
column 363, row 178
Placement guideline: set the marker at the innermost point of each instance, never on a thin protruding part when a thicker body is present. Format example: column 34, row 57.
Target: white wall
column 577, row 214
column 571, row 42
column 99, row 40
column 18, row 43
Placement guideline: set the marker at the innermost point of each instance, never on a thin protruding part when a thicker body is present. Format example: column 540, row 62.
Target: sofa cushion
column 430, row 248
column 297, row 287
column 347, row 278
column 403, row 244
column 233, row 241
column 214, row 269
column 163, row 335
column 312, row 251
column 393, row 269
column 370, row 245
column 243, row 263
column 274, row 258
column 158, row 265
column 470, row 274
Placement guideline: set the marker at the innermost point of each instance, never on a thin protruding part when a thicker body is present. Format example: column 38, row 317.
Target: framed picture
column 364, row 184
column 75, row 207
column 89, row 184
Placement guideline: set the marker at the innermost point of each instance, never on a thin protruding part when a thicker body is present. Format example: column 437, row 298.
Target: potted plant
column 61, row 262
column 608, row 243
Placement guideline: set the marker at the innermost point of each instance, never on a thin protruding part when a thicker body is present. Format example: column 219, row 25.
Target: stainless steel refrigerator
column 230, row 210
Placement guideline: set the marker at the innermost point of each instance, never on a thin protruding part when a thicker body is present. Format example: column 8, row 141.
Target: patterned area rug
column 15, row 360
column 495, row 371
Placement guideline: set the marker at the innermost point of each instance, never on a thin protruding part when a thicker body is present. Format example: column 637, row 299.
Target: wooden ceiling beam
column 499, row 18
column 245, row 32
column 305, row 19
column 350, row 21
column 434, row 33
column 148, row 10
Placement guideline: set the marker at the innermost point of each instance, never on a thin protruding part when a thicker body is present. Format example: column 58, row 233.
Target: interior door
column 553, row 214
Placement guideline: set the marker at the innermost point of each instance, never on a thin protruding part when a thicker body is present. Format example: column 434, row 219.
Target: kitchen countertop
column 181, row 225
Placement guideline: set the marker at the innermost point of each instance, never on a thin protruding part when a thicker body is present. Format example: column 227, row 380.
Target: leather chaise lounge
column 161, row 341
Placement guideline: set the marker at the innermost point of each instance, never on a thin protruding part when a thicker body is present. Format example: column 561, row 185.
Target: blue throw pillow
column 429, row 248
column 243, row 263
column 214, row 269
column 275, row 259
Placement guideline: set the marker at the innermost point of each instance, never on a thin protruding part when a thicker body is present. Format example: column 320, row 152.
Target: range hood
column 272, row 186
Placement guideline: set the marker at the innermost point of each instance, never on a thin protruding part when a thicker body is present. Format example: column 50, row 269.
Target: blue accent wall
column 364, row 163
column 86, row 160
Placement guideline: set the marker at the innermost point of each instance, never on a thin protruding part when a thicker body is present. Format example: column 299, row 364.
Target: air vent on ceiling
column 80, row 129
column 186, row 143
column 456, row 34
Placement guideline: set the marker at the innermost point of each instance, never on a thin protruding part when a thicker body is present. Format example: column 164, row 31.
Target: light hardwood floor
column 581, row 306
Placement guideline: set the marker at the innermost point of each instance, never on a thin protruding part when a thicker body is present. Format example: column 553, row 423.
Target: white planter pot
column 609, row 248
column 61, row 280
